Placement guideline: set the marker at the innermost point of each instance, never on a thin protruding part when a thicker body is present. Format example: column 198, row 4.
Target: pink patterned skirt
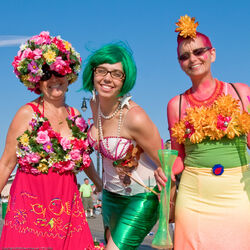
column 45, row 211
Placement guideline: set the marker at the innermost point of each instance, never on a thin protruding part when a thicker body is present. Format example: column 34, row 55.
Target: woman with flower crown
column 209, row 126
column 47, row 140
column 126, row 138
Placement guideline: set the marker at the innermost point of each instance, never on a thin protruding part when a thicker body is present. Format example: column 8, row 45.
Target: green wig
column 111, row 53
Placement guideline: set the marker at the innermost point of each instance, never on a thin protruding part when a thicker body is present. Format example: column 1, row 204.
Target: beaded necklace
column 108, row 117
column 207, row 102
column 105, row 144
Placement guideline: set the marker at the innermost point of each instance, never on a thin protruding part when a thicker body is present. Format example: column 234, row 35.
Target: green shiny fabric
column 129, row 218
column 229, row 153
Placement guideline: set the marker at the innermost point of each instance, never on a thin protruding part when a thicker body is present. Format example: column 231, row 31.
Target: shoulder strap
column 34, row 107
column 180, row 100
column 237, row 93
column 72, row 111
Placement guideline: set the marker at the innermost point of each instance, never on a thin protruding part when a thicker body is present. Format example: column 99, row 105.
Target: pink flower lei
column 43, row 148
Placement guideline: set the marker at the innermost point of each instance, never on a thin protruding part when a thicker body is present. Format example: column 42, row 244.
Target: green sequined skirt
column 129, row 218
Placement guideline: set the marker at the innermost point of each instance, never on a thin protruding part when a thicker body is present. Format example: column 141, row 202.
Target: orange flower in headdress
column 187, row 26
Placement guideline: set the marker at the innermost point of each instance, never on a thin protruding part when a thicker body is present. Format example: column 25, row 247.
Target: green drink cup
column 162, row 239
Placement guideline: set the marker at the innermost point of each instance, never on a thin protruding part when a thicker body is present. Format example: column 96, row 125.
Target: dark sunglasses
column 196, row 52
column 48, row 73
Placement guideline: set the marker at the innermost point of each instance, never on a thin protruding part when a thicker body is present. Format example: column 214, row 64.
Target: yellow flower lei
column 187, row 26
column 223, row 118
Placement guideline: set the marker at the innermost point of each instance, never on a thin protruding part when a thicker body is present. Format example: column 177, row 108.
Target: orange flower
column 223, row 118
column 187, row 26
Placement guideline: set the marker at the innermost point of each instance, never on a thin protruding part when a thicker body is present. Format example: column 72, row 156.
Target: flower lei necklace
column 207, row 102
column 43, row 148
column 223, row 118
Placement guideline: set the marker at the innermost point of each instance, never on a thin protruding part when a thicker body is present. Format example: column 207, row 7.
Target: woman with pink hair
column 209, row 126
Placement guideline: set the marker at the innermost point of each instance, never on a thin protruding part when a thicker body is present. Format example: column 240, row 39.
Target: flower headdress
column 44, row 52
column 187, row 26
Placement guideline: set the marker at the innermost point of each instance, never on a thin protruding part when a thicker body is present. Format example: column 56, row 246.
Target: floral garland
column 44, row 52
column 43, row 148
column 223, row 118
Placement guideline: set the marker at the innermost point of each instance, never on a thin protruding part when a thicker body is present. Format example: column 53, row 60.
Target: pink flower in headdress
column 61, row 66
column 80, row 123
column 43, row 38
column 42, row 137
column 27, row 53
column 222, row 122
column 33, row 67
column 59, row 43
column 16, row 61
column 86, row 160
column 34, row 79
column 37, row 53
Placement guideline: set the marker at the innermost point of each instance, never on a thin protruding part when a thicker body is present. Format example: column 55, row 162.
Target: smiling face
column 196, row 66
column 54, row 88
column 107, row 86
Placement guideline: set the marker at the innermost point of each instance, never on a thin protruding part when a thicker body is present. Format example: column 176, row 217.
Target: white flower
column 77, row 68
column 20, row 153
column 67, row 157
column 23, row 46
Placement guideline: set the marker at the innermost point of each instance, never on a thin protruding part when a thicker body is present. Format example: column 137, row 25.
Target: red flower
column 189, row 129
column 45, row 126
column 222, row 122
column 79, row 144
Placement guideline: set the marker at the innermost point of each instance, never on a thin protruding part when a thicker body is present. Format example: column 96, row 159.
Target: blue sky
column 146, row 25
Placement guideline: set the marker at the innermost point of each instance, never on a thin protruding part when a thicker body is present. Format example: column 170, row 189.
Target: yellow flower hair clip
column 187, row 26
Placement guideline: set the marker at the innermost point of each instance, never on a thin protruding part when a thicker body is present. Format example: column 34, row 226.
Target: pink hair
column 205, row 39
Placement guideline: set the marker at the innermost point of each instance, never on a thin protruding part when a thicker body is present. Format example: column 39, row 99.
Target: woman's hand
column 160, row 178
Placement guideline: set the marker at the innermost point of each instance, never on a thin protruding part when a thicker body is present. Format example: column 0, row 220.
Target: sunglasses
column 47, row 74
column 197, row 52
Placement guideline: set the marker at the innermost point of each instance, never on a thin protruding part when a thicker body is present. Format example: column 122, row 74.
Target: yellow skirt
column 213, row 212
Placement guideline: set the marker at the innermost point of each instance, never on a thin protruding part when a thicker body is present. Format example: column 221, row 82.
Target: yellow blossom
column 24, row 139
column 67, row 45
column 43, row 167
column 50, row 56
column 187, row 26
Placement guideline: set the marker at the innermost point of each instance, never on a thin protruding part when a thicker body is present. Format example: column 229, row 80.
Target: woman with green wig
column 128, row 142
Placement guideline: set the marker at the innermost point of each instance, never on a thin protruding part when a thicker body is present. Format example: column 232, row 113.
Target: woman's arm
column 92, row 174
column 244, row 92
column 140, row 127
column 8, row 161
column 173, row 117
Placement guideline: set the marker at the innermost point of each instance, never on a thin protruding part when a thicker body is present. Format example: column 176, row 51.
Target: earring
column 93, row 95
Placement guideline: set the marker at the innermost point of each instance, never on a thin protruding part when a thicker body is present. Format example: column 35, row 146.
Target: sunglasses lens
column 57, row 74
column 199, row 52
column 184, row 56
column 46, row 76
